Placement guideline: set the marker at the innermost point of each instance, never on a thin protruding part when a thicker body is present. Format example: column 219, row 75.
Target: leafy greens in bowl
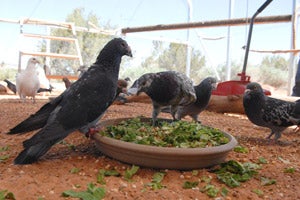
column 171, row 145
column 181, row 134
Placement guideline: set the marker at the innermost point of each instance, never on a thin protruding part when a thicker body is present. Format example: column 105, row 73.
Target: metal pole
column 292, row 70
column 228, row 57
column 188, row 47
column 243, row 77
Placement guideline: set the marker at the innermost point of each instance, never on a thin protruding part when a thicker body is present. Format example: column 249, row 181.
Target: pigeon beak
column 214, row 86
column 129, row 53
column 132, row 91
column 247, row 91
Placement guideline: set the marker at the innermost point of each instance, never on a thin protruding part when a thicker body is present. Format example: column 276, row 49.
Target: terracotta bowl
column 161, row 157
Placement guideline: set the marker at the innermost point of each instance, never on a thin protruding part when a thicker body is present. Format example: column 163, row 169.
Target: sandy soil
column 52, row 175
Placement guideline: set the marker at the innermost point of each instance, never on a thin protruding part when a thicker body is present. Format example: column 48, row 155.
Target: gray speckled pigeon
column 203, row 93
column 78, row 108
column 269, row 112
column 168, row 88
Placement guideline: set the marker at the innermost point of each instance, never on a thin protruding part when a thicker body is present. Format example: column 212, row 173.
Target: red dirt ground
column 49, row 177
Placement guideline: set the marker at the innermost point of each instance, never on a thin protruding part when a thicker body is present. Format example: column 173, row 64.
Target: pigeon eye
column 123, row 44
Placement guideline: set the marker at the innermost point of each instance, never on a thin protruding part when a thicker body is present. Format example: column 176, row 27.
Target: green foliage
column 6, row 195
column 102, row 173
column 267, row 181
column 8, row 73
column 273, row 71
column 262, row 160
column 181, row 134
column 130, row 172
column 90, row 43
column 157, row 178
column 289, row 170
column 233, row 172
column 241, row 149
column 259, row 192
column 190, row 185
column 210, row 190
column 92, row 193
column 74, row 170
column 173, row 57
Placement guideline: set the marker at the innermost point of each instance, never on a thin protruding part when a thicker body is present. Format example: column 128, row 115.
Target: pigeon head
column 254, row 87
column 33, row 61
column 142, row 84
column 117, row 47
column 211, row 81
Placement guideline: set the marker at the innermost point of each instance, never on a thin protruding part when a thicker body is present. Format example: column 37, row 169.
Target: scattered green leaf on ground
column 284, row 160
column 262, row 160
column 157, row 178
column 267, row 181
column 233, row 172
column 4, row 157
column 6, row 195
column 69, row 145
column 289, row 170
column 102, row 173
column 224, row 191
column 206, row 179
column 240, row 149
column 190, row 185
column 74, row 170
column 130, row 172
column 259, row 192
column 195, row 172
column 5, row 148
column 210, row 190
column 92, row 193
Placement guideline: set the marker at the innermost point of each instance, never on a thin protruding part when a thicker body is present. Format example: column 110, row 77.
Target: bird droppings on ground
column 56, row 171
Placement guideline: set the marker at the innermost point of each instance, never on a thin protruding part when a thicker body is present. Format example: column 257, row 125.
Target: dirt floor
column 73, row 164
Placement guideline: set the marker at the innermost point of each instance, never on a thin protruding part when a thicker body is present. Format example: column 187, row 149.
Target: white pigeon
column 27, row 82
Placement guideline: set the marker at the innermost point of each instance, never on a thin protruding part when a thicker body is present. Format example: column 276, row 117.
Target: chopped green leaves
column 156, row 181
column 259, row 192
column 92, row 193
column 210, row 190
column 241, row 149
column 130, row 172
column 190, row 185
column 5, row 194
column 267, row 181
column 233, row 172
column 102, row 173
column 74, row 170
column 289, row 170
column 176, row 134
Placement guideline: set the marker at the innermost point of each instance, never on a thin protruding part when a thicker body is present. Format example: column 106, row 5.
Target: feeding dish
column 161, row 157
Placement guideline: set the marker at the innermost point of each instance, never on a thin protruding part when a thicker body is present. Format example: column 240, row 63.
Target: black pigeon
column 203, row 94
column 11, row 86
column 45, row 89
column 168, row 88
column 78, row 108
column 269, row 112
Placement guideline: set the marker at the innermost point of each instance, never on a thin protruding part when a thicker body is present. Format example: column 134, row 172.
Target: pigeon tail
column 32, row 154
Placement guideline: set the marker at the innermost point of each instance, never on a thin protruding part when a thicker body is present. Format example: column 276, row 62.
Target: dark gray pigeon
column 269, row 112
column 203, row 94
column 78, row 108
column 11, row 86
column 168, row 88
